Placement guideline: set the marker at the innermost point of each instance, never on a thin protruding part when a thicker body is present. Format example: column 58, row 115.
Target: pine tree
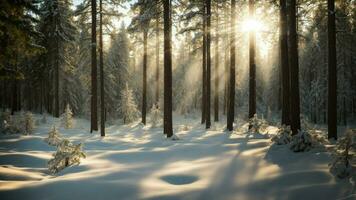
column 167, row 120
column 56, row 23
column 332, row 87
column 128, row 108
column 67, row 117
column 101, row 63
column 231, row 105
column 67, row 154
column 252, row 64
column 284, row 63
column 54, row 137
column 294, row 68
column 94, row 89
column 29, row 123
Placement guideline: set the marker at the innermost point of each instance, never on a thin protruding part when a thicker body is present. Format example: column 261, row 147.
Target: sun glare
column 252, row 25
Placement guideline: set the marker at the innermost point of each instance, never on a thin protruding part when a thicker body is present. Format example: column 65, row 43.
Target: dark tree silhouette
column 168, row 126
column 231, row 105
column 332, row 88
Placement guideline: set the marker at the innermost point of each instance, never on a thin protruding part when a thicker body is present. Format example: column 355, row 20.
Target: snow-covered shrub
column 54, row 137
column 128, row 107
column 344, row 152
column 67, row 154
column 4, row 119
column 156, row 115
column 13, row 125
column 29, row 123
column 67, row 117
column 283, row 136
column 306, row 140
column 257, row 125
column 301, row 141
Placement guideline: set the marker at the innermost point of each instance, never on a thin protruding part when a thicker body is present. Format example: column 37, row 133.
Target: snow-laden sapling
column 4, row 119
column 283, row 136
column 29, row 123
column 128, row 107
column 341, row 165
column 54, row 137
column 67, row 154
column 302, row 141
column 156, row 115
column 67, row 118
column 257, row 125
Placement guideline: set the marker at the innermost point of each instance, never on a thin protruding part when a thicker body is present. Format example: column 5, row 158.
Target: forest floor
column 138, row 162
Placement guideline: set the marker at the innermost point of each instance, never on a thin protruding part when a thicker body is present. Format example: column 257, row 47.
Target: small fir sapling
column 343, row 155
column 302, row 141
column 128, row 108
column 156, row 115
column 67, row 118
column 283, row 136
column 67, row 154
column 54, row 137
column 29, row 123
column 257, row 125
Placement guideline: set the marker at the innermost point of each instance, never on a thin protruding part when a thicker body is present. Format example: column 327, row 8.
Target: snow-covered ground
column 137, row 162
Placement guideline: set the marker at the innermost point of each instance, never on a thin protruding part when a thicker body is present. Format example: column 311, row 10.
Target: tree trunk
column 203, row 100
column 168, row 125
column 102, row 91
column 332, row 84
column 252, row 63
column 294, row 68
column 56, row 98
column 216, row 91
column 157, row 60
column 284, row 63
column 231, row 106
column 208, row 63
column 144, row 80
column 94, row 89
column 226, row 57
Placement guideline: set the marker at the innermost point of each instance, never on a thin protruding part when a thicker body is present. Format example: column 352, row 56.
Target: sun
column 250, row 24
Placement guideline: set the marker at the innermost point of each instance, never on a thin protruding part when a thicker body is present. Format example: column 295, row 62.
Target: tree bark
column 102, row 91
column 294, row 68
column 216, row 91
column 168, row 125
column 157, row 60
column 94, row 89
column 284, row 63
column 231, row 106
column 332, row 70
column 144, row 80
column 203, row 100
column 252, row 64
column 208, row 64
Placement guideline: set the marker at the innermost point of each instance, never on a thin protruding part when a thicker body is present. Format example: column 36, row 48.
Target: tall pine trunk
column 102, row 91
column 157, row 60
column 208, row 63
column 216, row 78
column 168, row 125
column 283, row 40
column 94, row 88
column 144, row 80
column 226, row 57
column 294, row 68
column 332, row 87
column 231, row 106
column 252, row 64
column 203, row 100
